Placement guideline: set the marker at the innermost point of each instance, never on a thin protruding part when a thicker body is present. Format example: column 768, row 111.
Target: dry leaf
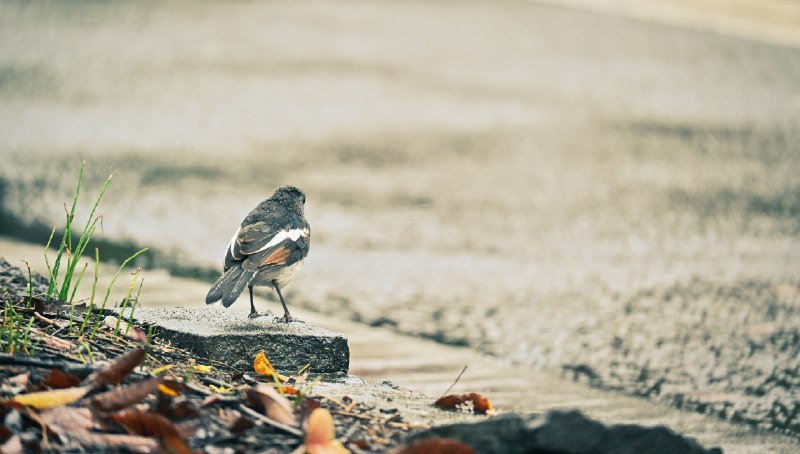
column 114, row 373
column 153, row 425
column 50, row 399
column 169, row 388
column 67, row 419
column 20, row 380
column 220, row 389
column 201, row 369
column 58, row 379
column 55, row 342
column 267, row 400
column 436, row 446
column 263, row 367
column 320, row 434
column 125, row 396
column 479, row 403
column 114, row 442
column 12, row 446
column 288, row 390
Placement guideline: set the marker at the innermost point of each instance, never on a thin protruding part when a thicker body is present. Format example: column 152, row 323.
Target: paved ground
column 553, row 186
column 378, row 354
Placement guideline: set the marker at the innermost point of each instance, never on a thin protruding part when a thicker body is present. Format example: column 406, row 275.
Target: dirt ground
column 556, row 187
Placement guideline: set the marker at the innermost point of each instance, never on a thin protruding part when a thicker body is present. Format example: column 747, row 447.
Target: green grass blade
column 110, row 286
column 86, row 235
column 94, row 291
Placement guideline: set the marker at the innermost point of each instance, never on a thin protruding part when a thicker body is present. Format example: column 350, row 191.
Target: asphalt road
column 532, row 181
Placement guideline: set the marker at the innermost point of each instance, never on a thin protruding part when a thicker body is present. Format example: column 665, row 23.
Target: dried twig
column 454, row 382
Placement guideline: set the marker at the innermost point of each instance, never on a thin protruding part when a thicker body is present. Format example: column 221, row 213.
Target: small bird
column 267, row 250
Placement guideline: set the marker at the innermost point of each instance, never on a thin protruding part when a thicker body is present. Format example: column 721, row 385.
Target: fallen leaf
column 55, row 342
column 263, row 367
column 435, row 446
column 267, row 400
column 220, row 389
column 59, row 379
column 50, row 399
column 114, row 373
column 161, row 369
column 12, row 446
column 119, row 398
column 320, row 434
column 307, row 406
column 20, row 380
column 67, row 419
column 479, row 403
column 153, row 425
column 201, row 369
column 170, row 388
column 115, row 442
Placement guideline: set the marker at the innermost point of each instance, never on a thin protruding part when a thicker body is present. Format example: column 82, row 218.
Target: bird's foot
column 287, row 319
column 266, row 313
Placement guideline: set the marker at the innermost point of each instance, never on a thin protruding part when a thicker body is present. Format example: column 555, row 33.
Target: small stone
column 233, row 338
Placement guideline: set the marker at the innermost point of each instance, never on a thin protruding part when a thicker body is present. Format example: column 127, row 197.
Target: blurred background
column 557, row 183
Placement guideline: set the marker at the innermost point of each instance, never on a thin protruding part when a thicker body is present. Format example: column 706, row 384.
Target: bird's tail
column 230, row 285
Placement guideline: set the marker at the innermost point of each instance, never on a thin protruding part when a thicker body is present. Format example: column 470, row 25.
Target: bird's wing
column 260, row 245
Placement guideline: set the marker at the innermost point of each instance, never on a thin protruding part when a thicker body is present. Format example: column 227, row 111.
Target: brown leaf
column 307, row 406
column 50, row 399
column 114, row 373
column 68, row 419
column 320, row 434
column 12, row 446
column 59, row 380
column 20, row 380
column 436, row 446
column 153, row 425
column 262, row 365
column 55, row 342
column 269, row 401
column 119, row 398
column 114, row 442
column 480, row 404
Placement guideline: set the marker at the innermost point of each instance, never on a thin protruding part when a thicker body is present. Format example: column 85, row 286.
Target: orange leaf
column 51, row 399
column 480, row 404
column 436, row 446
column 290, row 390
column 272, row 404
column 263, row 367
column 321, row 436
column 114, row 373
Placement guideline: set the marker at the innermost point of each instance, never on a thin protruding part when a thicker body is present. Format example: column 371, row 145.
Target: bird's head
column 289, row 194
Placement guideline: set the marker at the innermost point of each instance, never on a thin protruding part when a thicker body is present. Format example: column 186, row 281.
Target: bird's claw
column 286, row 319
column 261, row 314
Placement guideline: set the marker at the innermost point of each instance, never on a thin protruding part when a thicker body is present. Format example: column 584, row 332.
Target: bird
column 268, row 249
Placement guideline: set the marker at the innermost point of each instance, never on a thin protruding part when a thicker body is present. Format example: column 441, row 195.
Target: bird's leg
column 253, row 313
column 286, row 317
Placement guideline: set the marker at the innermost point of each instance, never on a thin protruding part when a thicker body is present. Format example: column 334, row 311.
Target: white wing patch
column 293, row 234
column 233, row 241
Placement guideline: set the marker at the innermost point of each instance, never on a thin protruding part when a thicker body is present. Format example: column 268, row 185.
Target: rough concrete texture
column 563, row 432
column 231, row 337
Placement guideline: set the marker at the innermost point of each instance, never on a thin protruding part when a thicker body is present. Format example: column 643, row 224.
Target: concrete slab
column 231, row 337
